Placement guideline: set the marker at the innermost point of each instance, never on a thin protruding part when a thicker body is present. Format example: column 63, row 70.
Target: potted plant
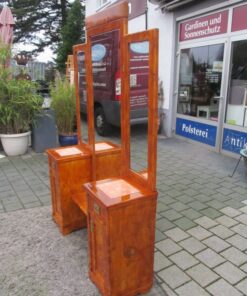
column 19, row 106
column 63, row 102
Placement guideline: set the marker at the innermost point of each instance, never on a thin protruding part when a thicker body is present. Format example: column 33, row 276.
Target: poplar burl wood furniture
column 121, row 224
column 121, row 211
column 69, row 168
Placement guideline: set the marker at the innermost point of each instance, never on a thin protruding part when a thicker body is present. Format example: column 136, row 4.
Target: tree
column 39, row 22
column 72, row 33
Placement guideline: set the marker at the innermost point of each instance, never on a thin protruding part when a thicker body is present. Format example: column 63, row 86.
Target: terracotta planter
column 15, row 144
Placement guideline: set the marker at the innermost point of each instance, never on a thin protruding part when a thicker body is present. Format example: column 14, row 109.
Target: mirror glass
column 139, row 81
column 105, row 50
column 82, row 94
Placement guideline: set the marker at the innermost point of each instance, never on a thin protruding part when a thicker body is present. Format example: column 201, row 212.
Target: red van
column 107, row 82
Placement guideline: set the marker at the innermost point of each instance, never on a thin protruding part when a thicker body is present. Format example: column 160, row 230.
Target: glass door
column 199, row 98
column 236, row 108
column 200, row 78
column 234, row 136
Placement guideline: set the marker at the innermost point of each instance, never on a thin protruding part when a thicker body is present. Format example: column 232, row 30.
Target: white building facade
column 202, row 65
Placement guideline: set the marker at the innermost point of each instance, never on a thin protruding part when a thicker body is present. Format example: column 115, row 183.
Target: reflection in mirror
column 139, row 81
column 82, row 95
column 105, row 49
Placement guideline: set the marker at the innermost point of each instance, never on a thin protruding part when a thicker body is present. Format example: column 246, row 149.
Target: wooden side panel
column 108, row 165
column 132, row 255
column 98, row 265
column 66, row 179
column 72, row 175
column 121, row 245
column 52, row 185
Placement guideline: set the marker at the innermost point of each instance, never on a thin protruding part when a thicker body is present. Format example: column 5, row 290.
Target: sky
column 44, row 57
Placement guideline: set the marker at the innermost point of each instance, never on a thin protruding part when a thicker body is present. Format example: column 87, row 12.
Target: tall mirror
column 138, row 90
column 105, row 55
column 81, row 93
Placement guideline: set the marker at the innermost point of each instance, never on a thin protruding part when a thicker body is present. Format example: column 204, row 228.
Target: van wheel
column 101, row 125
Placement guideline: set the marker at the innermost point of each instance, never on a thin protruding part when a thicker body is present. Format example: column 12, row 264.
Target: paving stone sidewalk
column 201, row 228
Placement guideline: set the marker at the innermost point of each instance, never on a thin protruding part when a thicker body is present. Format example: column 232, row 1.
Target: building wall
column 201, row 5
column 166, row 25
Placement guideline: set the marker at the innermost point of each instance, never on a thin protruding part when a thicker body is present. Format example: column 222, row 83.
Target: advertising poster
column 139, row 70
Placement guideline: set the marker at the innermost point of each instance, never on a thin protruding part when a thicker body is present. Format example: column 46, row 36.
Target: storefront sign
column 197, row 131
column 213, row 24
column 239, row 18
column 234, row 141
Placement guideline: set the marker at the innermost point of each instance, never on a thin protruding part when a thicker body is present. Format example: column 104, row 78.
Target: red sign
column 239, row 18
column 213, row 24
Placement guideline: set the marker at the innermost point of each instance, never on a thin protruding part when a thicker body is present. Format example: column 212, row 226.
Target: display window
column 211, row 82
column 200, row 77
column 236, row 108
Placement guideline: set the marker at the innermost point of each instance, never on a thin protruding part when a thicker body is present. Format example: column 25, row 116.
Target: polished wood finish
column 121, row 211
column 67, row 173
column 151, row 36
column 107, row 161
column 84, row 48
column 121, row 223
column 70, row 168
column 96, row 28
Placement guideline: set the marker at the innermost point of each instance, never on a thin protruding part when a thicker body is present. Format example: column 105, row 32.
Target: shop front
column 212, row 79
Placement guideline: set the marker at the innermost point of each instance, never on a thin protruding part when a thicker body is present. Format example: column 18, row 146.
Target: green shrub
column 19, row 102
column 63, row 102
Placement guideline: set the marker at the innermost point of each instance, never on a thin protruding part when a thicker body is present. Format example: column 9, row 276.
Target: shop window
column 200, row 81
column 237, row 91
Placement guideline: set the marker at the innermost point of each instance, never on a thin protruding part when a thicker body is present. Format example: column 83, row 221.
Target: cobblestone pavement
column 201, row 229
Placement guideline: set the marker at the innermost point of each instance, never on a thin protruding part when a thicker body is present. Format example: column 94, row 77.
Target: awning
column 170, row 5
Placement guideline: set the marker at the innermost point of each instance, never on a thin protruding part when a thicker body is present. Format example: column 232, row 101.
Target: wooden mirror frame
column 152, row 37
column 84, row 48
column 114, row 18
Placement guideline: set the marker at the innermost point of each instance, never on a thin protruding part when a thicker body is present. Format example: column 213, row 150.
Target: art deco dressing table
column 121, row 211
